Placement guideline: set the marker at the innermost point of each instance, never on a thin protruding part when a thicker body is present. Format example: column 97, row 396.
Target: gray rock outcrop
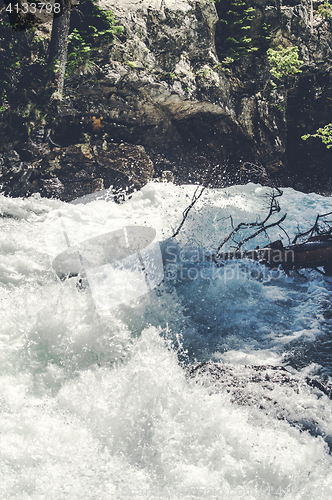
column 272, row 390
column 161, row 99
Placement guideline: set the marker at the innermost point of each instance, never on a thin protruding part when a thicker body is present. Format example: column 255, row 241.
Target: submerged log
column 314, row 253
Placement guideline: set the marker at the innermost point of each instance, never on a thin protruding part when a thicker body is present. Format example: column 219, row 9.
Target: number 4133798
column 32, row 8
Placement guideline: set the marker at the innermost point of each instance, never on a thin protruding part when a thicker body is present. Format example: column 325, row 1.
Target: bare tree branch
column 318, row 229
column 187, row 210
column 284, row 230
column 274, row 207
column 264, row 228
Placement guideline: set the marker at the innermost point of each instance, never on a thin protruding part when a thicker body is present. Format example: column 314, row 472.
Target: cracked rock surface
column 160, row 99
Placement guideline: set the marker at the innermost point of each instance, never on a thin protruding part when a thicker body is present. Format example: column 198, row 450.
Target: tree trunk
column 59, row 46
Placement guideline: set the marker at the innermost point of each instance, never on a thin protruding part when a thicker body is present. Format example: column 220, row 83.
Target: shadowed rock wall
column 161, row 100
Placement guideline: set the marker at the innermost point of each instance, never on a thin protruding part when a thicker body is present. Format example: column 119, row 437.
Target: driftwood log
column 311, row 249
column 314, row 253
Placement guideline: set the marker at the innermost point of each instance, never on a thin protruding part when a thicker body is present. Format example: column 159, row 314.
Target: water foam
column 98, row 405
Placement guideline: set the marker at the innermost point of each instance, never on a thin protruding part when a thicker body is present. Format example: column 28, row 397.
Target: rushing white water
column 95, row 402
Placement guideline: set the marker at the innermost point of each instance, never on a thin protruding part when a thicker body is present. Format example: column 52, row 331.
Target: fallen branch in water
column 274, row 208
column 318, row 229
column 314, row 251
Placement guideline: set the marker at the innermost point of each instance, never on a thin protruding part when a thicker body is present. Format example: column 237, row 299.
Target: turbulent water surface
column 95, row 401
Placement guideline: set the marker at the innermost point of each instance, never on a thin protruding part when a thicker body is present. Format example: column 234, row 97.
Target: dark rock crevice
column 161, row 100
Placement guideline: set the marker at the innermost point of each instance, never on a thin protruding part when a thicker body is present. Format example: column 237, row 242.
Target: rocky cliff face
column 160, row 103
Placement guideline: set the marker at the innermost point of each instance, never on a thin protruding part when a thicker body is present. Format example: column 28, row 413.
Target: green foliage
column 91, row 29
column 232, row 40
column 228, row 60
column 324, row 134
column 325, row 10
column 78, row 58
column 284, row 62
column 132, row 64
column 23, row 73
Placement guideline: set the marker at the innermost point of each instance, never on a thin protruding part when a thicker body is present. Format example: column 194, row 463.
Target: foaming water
column 97, row 403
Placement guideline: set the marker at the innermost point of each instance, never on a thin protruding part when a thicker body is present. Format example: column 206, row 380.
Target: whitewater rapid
column 95, row 402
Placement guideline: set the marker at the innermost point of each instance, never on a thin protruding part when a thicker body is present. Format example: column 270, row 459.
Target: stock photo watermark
column 217, row 493
column 121, row 265
column 190, row 264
